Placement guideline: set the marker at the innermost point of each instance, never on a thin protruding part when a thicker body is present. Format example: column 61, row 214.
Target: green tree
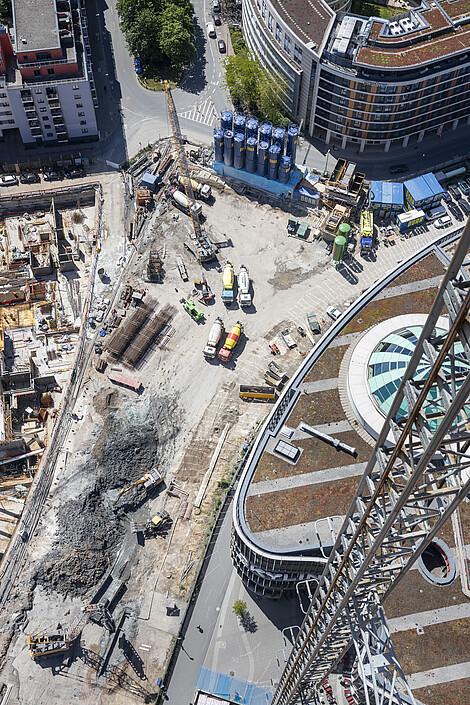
column 176, row 34
column 5, row 9
column 143, row 36
column 239, row 608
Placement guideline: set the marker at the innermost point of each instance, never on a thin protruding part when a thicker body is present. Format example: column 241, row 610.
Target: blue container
column 239, row 150
column 218, row 145
column 292, row 138
column 226, row 120
column 265, row 132
column 252, row 127
column 284, row 169
column 262, row 161
column 228, row 148
column 250, row 157
column 239, row 124
column 273, row 163
column 279, row 135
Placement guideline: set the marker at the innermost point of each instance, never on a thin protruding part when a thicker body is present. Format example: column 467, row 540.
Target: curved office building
column 367, row 81
column 305, row 467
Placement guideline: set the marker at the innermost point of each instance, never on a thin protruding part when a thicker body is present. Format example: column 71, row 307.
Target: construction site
column 119, row 437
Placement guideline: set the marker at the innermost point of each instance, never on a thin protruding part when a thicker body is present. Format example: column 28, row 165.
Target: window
column 3, row 95
column 45, row 117
column 270, row 22
column 278, row 33
column 76, row 88
column 40, row 100
column 84, row 129
column 38, row 90
column 4, row 105
column 287, row 44
column 263, row 11
column 50, row 71
column 79, row 105
column 77, row 97
column 43, row 56
column 25, row 57
column 49, row 134
column 81, row 114
column 82, row 122
column 37, row 72
column 11, row 122
column 297, row 54
column 47, row 127
column 42, row 110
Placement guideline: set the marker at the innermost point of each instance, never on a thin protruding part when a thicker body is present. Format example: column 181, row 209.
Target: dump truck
column 244, row 296
column 228, row 281
column 151, row 527
column 182, row 202
column 191, row 308
column 147, row 481
column 231, row 341
column 201, row 191
column 215, row 334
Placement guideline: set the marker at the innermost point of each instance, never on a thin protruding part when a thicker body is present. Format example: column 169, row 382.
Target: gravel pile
column 135, row 438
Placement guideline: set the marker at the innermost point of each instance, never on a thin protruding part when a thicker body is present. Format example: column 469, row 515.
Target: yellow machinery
column 150, row 479
column 159, row 521
column 62, row 639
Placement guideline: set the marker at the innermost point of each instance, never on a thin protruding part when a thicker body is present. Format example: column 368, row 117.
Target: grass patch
column 377, row 311
column 440, row 645
column 430, row 266
column 454, row 693
column 319, row 408
column 370, row 9
column 327, row 367
column 299, row 504
column 236, row 36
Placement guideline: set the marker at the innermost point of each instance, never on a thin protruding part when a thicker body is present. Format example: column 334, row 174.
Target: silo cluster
column 244, row 143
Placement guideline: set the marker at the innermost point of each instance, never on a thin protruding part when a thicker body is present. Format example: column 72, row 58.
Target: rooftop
column 36, row 26
column 309, row 19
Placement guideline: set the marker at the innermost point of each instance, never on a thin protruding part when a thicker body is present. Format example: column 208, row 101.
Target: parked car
column 443, row 222
column 9, row 180
column 216, row 18
column 313, row 322
column 210, row 30
column 464, row 205
column 138, row 66
column 75, row 172
column 454, row 191
column 463, row 186
column 456, row 212
column 398, row 168
column 215, row 6
column 222, row 46
column 333, row 312
column 52, row 175
column 29, row 177
column 446, row 197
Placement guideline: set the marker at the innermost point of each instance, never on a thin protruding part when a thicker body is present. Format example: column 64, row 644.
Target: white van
column 210, row 30
column 444, row 222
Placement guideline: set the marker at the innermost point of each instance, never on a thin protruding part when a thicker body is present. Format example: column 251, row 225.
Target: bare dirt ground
column 84, row 542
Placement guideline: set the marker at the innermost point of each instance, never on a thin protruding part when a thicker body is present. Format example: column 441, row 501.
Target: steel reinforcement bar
column 406, row 494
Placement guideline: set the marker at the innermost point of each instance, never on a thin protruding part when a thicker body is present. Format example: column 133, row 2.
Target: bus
column 257, row 393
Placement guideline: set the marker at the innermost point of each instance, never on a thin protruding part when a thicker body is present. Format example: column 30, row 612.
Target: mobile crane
column 202, row 244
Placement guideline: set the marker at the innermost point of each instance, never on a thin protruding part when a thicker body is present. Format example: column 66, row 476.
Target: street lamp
column 325, row 173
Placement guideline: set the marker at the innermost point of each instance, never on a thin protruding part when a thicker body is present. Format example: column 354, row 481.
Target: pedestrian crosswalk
column 203, row 112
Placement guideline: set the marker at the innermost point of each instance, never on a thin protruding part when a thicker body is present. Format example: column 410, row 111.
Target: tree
column 239, row 608
column 5, row 9
column 176, row 34
column 143, row 36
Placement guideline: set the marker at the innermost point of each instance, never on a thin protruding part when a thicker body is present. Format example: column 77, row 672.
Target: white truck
column 182, row 202
column 244, row 296
column 215, row 334
column 201, row 191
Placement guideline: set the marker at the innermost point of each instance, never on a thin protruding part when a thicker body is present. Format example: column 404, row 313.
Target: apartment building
column 367, row 81
column 47, row 91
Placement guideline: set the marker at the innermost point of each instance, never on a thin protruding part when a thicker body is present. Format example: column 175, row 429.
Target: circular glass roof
column 387, row 364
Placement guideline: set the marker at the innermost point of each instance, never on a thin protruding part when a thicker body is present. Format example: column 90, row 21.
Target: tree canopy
column 158, row 31
column 253, row 89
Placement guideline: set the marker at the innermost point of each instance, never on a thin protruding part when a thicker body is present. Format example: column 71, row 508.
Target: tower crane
column 201, row 242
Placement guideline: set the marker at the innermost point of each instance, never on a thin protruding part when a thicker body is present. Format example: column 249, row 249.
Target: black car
column 52, row 175
column 29, row 178
column 217, row 20
column 456, row 212
column 222, row 46
column 464, row 205
column 398, row 168
column 446, row 197
column 455, row 192
column 74, row 172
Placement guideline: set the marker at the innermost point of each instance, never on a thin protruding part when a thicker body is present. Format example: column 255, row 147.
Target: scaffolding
column 128, row 330
column 147, row 334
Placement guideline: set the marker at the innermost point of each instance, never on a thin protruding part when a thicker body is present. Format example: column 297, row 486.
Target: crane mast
column 201, row 242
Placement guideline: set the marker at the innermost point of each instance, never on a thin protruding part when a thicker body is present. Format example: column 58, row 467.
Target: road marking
column 202, row 112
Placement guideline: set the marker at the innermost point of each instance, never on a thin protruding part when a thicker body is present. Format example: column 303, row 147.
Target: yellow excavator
column 150, row 479
column 62, row 638
column 154, row 525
